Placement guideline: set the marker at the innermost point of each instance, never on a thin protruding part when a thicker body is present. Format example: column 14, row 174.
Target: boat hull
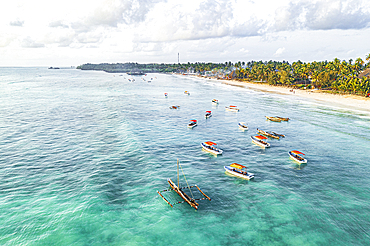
column 210, row 150
column 232, row 109
column 243, row 127
column 182, row 194
column 257, row 142
column 267, row 134
column 273, row 119
column 191, row 126
column 247, row 176
column 297, row 160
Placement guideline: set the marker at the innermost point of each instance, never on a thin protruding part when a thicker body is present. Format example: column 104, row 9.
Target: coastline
column 343, row 101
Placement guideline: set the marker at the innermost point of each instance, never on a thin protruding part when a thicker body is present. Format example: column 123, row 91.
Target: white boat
column 192, row 123
column 186, row 92
column 208, row 114
column 239, row 171
column 215, row 102
column 232, row 108
column 243, row 126
column 297, row 156
column 211, row 148
column 165, row 95
column 174, row 107
column 259, row 141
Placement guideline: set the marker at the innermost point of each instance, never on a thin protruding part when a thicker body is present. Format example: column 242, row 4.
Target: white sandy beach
column 343, row 101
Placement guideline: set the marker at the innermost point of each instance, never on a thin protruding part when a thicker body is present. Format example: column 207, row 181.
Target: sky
column 74, row 32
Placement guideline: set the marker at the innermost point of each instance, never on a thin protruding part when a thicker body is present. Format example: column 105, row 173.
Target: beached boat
column 239, row 171
column 267, row 134
column 215, row 102
column 208, row 114
column 211, row 147
column 186, row 92
column 232, row 108
column 192, row 123
column 282, row 118
column 243, row 126
column 189, row 199
column 297, row 156
column 165, row 95
column 259, row 141
column 273, row 119
column 174, row 107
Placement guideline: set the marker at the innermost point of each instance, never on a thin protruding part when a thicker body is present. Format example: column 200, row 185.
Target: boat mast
column 178, row 174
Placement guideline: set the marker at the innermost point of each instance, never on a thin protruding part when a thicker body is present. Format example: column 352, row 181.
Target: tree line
column 337, row 75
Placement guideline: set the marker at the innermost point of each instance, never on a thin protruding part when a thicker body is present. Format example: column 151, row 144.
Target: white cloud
column 323, row 15
column 28, row 42
column 199, row 29
column 279, row 52
column 16, row 23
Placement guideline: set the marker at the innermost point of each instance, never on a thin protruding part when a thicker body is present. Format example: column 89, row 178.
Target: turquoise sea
column 83, row 153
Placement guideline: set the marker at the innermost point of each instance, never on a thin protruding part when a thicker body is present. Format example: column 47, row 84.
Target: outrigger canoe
column 192, row 123
column 267, row 134
column 273, row 119
column 211, row 148
column 180, row 191
column 232, row 108
column 208, row 114
column 259, row 141
column 243, row 126
column 297, row 156
column 214, row 101
column 238, row 171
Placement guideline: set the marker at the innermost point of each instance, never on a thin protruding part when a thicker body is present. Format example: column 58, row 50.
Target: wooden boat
column 192, row 123
column 277, row 134
column 282, row 118
column 174, row 107
column 259, row 141
column 211, row 147
column 273, row 119
column 165, row 95
column 232, row 108
column 297, row 156
column 267, row 134
column 215, row 102
column 208, row 114
column 243, row 126
column 180, row 191
column 186, row 92
column 239, row 171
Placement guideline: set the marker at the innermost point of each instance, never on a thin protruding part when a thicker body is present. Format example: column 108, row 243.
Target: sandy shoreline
column 343, row 101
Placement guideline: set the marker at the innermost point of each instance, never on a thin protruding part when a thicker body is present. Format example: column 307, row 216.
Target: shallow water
column 83, row 154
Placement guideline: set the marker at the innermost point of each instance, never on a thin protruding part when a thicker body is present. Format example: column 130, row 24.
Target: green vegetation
column 335, row 76
column 338, row 76
column 154, row 67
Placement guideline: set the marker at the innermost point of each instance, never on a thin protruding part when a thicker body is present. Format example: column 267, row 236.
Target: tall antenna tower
column 178, row 58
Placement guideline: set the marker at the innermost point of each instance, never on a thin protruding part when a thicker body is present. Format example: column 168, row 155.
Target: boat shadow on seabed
column 296, row 166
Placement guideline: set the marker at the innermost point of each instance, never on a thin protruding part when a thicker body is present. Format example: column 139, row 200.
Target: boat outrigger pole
column 178, row 174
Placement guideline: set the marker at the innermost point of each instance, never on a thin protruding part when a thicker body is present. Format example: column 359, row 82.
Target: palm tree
column 368, row 60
